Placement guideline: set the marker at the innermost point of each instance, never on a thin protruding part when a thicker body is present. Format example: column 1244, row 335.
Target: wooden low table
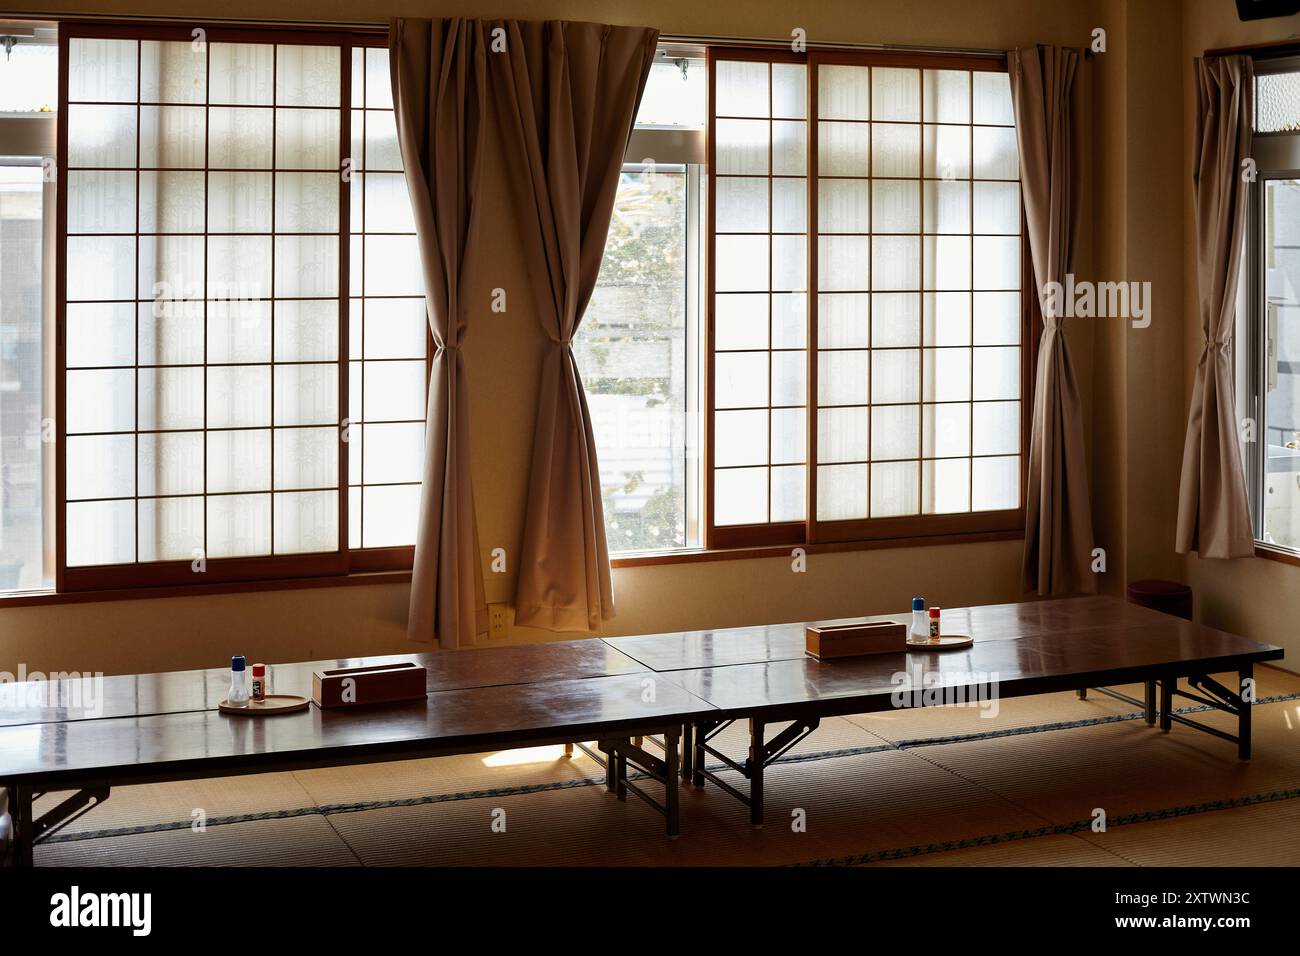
column 763, row 676
column 165, row 727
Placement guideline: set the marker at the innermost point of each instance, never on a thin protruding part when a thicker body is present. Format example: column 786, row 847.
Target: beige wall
column 1132, row 380
column 1253, row 596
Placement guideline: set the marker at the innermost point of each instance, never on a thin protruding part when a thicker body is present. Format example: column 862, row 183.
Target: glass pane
column 741, row 379
column 947, row 318
column 172, row 137
column 306, row 521
column 895, row 489
column 309, row 266
column 843, row 263
column 387, row 203
column 308, row 394
column 789, row 436
column 947, row 152
column 239, row 267
column 239, row 332
column 394, row 328
column 895, row 376
column 843, row 149
column 675, row 94
column 946, row 486
column 101, row 136
column 947, row 262
column 789, row 263
column 101, row 201
column 947, row 375
column 100, row 400
column 789, row 90
column 396, row 393
column 171, row 268
column 895, row 206
column 897, row 320
column 387, row 515
column 239, row 396
column 741, row 264
column 997, row 262
column 100, row 466
column 789, row 498
column 393, row 266
column 102, row 70
column 841, row 492
column 741, row 88
column 843, row 92
column 995, row 483
column 996, row 428
column 170, row 399
column 173, row 71
column 895, row 262
column 307, row 139
column 789, row 148
column 242, row 73
column 945, row 430
column 947, row 96
column 171, row 202
column 1280, row 384
column 100, row 532
column 171, row 529
column 997, row 208
column 171, row 333
column 1277, row 102
column 740, row 438
column 947, row 206
column 842, row 378
column 170, row 463
column 307, row 75
column 895, row 432
column 992, row 99
column 995, row 153
column 789, row 320
column 789, row 374
column 742, row 147
column 382, row 151
column 997, row 373
column 997, row 318
column 740, row 321
column 241, row 138
column 307, row 202
column 895, row 150
column 896, row 94
column 306, row 458
column 393, row 453
column 307, row 331
column 379, row 91
column 843, row 320
column 742, row 205
column 843, row 205
column 100, row 267
column 239, row 525
column 740, row 496
column 239, row 460
column 100, row 333
column 842, row 435
column 239, row 202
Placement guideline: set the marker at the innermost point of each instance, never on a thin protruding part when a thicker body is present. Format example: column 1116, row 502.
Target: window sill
column 1277, row 554
column 831, row 547
column 39, row 598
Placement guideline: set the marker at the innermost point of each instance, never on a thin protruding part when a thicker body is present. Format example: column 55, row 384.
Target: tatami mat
column 963, row 790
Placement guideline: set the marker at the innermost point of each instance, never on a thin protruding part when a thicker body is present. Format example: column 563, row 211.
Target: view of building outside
column 21, row 227
column 1281, row 501
column 632, row 354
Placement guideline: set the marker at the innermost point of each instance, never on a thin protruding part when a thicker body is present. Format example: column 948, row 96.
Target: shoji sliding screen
column 911, row 408
column 219, row 201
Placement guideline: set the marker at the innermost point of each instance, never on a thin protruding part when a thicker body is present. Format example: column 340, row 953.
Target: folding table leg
column 1247, row 692
column 1149, row 711
column 1167, row 703
column 672, row 780
column 756, row 761
column 23, row 823
column 1083, row 693
column 697, row 763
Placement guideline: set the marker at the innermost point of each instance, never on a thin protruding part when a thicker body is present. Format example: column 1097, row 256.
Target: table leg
column 687, row 752
column 621, row 774
column 1246, row 674
column 1167, row 703
column 23, row 823
column 697, row 763
column 1149, row 711
column 1083, row 693
column 756, row 732
column 673, row 775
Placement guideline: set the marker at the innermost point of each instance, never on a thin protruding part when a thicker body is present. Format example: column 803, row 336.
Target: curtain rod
column 383, row 24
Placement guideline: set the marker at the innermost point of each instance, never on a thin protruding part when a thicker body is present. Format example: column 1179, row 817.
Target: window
column 27, row 220
column 238, row 270
column 1267, row 349
column 638, row 348
column 867, row 304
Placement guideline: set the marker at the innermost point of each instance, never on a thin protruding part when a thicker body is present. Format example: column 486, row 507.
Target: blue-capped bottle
column 920, row 626
column 238, row 696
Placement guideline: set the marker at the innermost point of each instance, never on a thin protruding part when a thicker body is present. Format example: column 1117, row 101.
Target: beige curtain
column 568, row 95
column 439, row 78
column 1058, row 515
column 1213, row 514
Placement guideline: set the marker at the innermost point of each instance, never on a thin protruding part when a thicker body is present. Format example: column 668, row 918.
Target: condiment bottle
column 259, row 682
column 919, row 626
column 238, row 696
column 934, row 623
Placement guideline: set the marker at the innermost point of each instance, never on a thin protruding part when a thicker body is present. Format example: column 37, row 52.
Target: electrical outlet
column 498, row 621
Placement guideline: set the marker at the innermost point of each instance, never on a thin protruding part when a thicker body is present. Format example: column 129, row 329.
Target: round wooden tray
column 274, row 704
column 944, row 642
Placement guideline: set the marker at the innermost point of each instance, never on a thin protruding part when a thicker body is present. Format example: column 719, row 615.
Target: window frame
column 179, row 574
column 862, row 531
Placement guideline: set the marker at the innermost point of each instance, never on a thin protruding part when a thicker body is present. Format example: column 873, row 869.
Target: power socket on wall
column 499, row 616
